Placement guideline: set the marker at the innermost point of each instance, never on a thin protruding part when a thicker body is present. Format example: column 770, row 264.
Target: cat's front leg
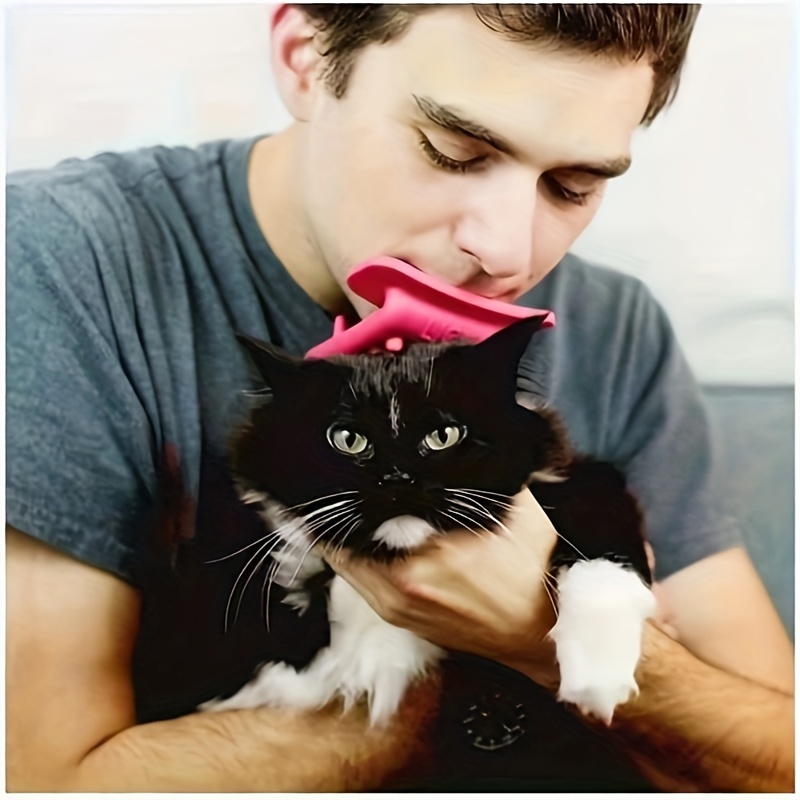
column 367, row 659
column 370, row 658
column 602, row 608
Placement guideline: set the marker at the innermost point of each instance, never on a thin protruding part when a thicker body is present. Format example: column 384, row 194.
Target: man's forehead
column 518, row 92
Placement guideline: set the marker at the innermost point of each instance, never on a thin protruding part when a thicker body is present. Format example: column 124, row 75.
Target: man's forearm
column 255, row 750
column 696, row 727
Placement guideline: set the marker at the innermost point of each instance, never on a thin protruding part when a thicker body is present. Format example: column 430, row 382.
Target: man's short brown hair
column 658, row 33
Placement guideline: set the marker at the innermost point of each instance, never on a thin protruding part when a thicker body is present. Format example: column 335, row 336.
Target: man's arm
column 71, row 724
column 695, row 727
column 715, row 708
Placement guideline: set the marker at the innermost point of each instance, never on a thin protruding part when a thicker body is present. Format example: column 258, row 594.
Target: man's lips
column 506, row 297
column 468, row 285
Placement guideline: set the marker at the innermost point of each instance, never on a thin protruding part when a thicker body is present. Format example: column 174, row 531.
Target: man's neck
column 278, row 209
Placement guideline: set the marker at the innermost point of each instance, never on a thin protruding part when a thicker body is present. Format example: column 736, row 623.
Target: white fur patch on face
column 404, row 532
column 602, row 607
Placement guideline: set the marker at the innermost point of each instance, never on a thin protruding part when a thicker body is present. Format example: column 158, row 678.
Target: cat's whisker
column 451, row 517
column 322, row 524
column 483, row 510
column 496, row 521
column 325, row 521
column 332, row 507
column 550, row 580
column 352, row 521
column 278, row 531
column 246, row 547
column 476, row 497
column 546, row 578
column 461, row 524
column 267, row 588
column 564, row 539
column 317, row 500
column 334, row 512
column 471, row 504
column 549, row 591
column 269, row 547
column 253, row 573
column 271, row 576
column 356, row 522
column 336, row 542
column 311, row 547
column 478, row 508
column 477, row 504
column 473, row 521
column 483, row 492
column 295, row 546
column 271, row 541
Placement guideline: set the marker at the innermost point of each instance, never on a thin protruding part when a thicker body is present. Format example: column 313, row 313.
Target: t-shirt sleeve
column 80, row 466
column 659, row 435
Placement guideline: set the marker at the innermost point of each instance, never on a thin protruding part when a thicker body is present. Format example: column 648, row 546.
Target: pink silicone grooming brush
column 415, row 307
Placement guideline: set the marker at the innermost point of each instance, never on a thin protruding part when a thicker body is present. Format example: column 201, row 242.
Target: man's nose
column 497, row 224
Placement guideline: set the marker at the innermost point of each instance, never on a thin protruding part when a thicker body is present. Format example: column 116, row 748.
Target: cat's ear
column 280, row 369
column 497, row 358
column 511, row 342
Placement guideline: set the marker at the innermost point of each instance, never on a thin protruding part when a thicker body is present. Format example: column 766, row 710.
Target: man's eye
column 446, row 162
column 561, row 192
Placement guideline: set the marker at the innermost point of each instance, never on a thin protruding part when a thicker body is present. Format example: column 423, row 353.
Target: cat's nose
column 394, row 477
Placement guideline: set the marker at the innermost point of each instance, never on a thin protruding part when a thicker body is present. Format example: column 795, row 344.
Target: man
column 475, row 145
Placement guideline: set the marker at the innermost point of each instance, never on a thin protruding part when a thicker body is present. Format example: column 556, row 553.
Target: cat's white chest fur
column 367, row 657
column 602, row 609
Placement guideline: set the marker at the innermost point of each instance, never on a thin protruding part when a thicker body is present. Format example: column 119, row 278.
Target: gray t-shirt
column 128, row 276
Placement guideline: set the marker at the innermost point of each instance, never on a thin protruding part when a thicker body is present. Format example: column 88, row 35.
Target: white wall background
column 706, row 215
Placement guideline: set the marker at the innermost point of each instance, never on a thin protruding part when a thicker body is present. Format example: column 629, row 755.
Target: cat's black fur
column 287, row 452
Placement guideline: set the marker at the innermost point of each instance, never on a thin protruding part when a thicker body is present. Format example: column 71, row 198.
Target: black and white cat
column 378, row 453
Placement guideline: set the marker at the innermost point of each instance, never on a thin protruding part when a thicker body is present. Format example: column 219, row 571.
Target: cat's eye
column 444, row 437
column 349, row 442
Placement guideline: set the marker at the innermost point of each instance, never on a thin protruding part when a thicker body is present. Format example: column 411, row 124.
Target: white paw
column 598, row 635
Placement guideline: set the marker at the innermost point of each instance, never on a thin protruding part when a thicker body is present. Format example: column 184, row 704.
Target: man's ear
column 296, row 61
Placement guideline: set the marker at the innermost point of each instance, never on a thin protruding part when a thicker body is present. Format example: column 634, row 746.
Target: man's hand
column 723, row 725
column 487, row 595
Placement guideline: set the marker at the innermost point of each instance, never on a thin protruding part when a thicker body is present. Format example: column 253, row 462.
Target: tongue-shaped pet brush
column 415, row 307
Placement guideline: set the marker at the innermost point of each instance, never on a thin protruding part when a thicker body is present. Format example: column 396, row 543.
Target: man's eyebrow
column 605, row 169
column 449, row 119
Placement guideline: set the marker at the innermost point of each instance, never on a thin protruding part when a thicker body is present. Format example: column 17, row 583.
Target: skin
column 349, row 180
column 496, row 228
